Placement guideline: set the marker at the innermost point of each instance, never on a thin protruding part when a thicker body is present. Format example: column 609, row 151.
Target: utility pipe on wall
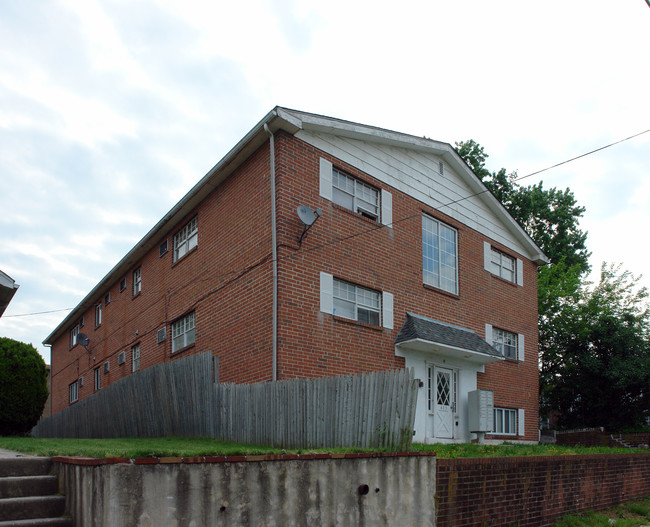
column 275, row 255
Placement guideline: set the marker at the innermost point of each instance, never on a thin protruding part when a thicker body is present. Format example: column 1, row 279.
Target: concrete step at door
column 32, row 507
column 25, row 466
column 23, row 486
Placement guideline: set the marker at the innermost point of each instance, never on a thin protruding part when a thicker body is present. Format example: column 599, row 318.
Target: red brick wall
column 234, row 319
column 535, row 491
column 356, row 249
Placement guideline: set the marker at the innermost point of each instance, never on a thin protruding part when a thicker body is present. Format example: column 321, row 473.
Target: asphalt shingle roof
column 417, row 327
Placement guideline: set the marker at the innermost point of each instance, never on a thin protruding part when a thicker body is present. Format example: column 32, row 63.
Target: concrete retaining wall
column 306, row 490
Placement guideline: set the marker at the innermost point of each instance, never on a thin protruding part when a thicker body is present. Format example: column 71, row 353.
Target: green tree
column 23, row 386
column 595, row 350
column 551, row 217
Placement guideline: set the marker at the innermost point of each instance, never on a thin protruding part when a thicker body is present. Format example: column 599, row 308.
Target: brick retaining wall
column 535, row 491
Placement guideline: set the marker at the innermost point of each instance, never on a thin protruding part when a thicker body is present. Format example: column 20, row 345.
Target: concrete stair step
column 25, row 466
column 23, row 486
column 38, row 522
column 32, row 507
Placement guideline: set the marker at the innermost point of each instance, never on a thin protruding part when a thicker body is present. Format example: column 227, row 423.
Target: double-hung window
column 186, row 239
column 505, row 421
column 137, row 281
column 183, row 332
column 508, row 344
column 73, row 335
column 74, row 391
column 135, row 358
column 98, row 379
column 355, row 195
column 503, row 265
column 505, row 343
column 356, row 302
column 439, row 255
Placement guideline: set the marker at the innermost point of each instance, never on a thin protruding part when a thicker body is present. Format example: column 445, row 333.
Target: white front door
column 442, row 401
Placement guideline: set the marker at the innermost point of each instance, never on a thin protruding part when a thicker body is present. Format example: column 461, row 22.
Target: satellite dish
column 306, row 215
column 83, row 339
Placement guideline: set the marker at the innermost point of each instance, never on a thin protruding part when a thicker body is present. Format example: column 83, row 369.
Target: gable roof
column 294, row 122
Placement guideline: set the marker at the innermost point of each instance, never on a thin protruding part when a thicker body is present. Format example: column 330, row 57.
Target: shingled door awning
column 430, row 336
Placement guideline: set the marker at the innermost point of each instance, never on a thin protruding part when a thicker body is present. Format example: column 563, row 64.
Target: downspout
column 275, row 255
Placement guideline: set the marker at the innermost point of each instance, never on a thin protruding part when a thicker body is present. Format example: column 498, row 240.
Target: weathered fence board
column 181, row 398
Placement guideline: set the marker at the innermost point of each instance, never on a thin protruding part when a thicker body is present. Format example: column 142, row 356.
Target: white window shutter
column 520, row 272
column 487, row 255
column 386, row 208
column 520, row 346
column 326, row 293
column 387, row 305
column 488, row 334
column 325, row 179
column 520, row 425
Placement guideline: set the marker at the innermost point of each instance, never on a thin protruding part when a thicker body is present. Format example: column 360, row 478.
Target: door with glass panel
column 442, row 401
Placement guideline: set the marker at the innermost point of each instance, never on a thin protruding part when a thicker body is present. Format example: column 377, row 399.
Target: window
column 505, row 421
column 186, row 239
column 107, row 299
column 355, row 195
column 135, row 358
column 162, row 250
column 439, row 255
column 137, row 281
column 502, row 265
column 74, row 392
column 98, row 379
column 505, row 343
column 183, row 333
column 98, row 314
column 123, row 284
column 73, row 336
column 107, row 367
column 356, row 302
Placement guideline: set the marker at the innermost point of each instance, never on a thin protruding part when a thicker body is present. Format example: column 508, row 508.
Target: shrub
column 23, row 387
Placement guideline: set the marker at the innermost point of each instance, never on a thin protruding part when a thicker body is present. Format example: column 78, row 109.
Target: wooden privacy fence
column 180, row 398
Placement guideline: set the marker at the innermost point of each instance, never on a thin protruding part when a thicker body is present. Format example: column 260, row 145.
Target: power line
column 243, row 271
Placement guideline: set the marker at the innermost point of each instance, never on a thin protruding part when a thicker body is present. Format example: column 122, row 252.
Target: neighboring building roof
column 8, row 289
column 295, row 122
column 423, row 334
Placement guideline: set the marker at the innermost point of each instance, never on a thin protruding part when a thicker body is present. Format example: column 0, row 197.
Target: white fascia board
column 436, row 348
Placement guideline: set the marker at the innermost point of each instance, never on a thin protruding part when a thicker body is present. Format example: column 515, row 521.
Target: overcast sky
column 111, row 111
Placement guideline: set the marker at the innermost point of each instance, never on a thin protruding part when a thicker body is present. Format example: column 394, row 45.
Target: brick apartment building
column 410, row 263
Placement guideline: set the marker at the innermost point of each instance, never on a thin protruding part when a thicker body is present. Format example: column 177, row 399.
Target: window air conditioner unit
column 107, row 367
column 121, row 358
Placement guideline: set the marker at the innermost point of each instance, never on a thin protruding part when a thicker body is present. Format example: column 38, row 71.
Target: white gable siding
column 416, row 173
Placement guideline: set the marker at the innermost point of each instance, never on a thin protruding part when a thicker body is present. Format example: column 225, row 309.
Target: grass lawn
column 633, row 514
column 186, row 447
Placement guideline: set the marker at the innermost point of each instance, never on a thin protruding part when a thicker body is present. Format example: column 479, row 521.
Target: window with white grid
column 439, row 255
column 74, row 391
column 355, row 195
column 503, row 265
column 137, row 281
column 505, row 343
column 356, row 302
column 183, row 332
column 186, row 239
column 135, row 357
column 505, row 421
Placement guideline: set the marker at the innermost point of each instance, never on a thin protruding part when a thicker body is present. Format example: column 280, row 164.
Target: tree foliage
column 593, row 341
column 551, row 217
column 23, row 386
column 595, row 350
